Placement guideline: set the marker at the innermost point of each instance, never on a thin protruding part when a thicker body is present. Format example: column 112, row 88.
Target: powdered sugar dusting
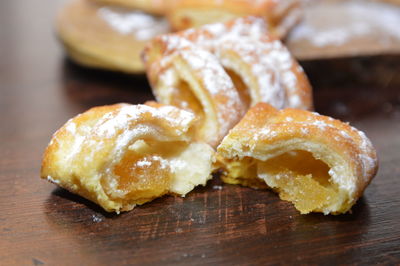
column 207, row 67
column 270, row 62
column 143, row 26
column 127, row 123
column 272, row 68
column 52, row 180
column 114, row 122
column 71, row 127
column 338, row 131
column 356, row 20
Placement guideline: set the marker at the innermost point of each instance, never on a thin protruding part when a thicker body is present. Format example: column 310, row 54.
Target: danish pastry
column 158, row 7
column 123, row 155
column 219, row 70
column 318, row 163
column 280, row 16
column 107, row 37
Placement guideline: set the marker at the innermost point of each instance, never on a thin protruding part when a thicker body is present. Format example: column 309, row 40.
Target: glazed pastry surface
column 318, row 163
column 123, row 155
column 107, row 37
column 218, row 71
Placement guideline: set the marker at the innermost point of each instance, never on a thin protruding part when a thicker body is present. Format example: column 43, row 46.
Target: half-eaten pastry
column 318, row 163
column 219, row 70
column 123, row 155
column 107, row 37
column 280, row 16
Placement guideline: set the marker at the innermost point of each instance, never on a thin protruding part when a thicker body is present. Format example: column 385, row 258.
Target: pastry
column 280, row 16
column 318, row 163
column 107, row 37
column 123, row 155
column 219, row 70
column 333, row 29
column 158, row 7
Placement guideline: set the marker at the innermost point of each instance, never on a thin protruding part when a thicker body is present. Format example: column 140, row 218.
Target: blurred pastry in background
column 280, row 16
column 395, row 2
column 157, row 7
column 346, row 28
column 107, row 37
column 219, row 70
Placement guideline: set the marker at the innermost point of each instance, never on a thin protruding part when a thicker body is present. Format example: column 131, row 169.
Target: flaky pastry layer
column 318, row 163
column 123, row 155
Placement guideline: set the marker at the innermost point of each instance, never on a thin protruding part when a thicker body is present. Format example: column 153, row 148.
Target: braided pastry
column 123, row 155
column 318, row 163
column 219, row 70
column 280, row 16
column 107, row 37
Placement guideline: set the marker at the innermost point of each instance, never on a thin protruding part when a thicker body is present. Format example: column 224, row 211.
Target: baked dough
column 318, row 163
column 107, row 37
column 123, row 155
column 158, row 7
column 219, row 70
column 280, row 16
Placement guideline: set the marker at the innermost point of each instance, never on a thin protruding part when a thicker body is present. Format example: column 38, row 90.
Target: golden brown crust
column 106, row 37
column 226, row 67
column 122, row 155
column 280, row 16
column 265, row 133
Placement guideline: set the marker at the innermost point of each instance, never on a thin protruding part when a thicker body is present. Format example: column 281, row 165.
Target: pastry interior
column 188, row 95
column 150, row 169
column 298, row 176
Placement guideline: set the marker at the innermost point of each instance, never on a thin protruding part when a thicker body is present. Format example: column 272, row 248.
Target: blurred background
column 350, row 52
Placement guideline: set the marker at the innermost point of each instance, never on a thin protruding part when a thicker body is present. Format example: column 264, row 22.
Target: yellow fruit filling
column 185, row 99
column 140, row 175
column 149, row 169
column 297, row 176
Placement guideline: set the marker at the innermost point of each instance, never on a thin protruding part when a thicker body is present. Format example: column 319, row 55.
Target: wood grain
column 214, row 225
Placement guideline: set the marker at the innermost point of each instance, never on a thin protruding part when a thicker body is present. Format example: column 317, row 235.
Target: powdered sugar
column 52, row 180
column 71, row 127
column 128, row 117
column 361, row 153
column 272, row 76
column 270, row 62
column 357, row 19
column 143, row 26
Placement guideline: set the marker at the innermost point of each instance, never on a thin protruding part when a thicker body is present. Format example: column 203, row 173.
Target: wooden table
column 215, row 225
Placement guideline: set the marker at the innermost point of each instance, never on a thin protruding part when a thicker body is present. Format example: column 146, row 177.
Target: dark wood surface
column 215, row 225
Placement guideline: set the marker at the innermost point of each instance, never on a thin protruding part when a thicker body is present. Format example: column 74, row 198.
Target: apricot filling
column 149, row 169
column 297, row 176
column 300, row 178
column 184, row 98
column 140, row 175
